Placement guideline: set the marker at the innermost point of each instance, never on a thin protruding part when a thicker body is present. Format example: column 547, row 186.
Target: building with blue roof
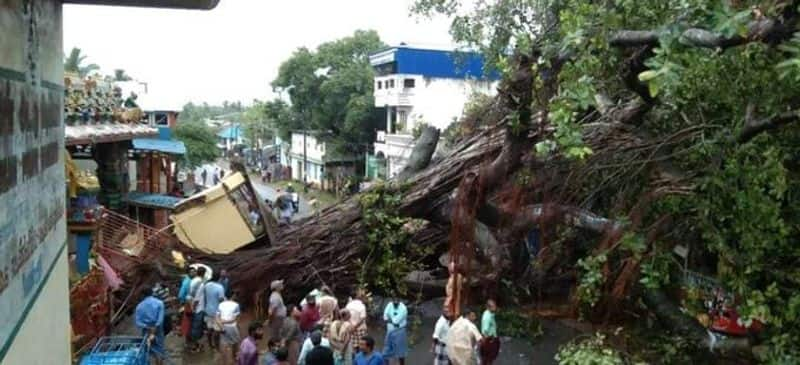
column 422, row 85
column 230, row 136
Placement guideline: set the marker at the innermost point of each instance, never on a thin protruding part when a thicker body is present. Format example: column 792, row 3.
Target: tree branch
column 531, row 215
column 764, row 30
column 754, row 127
column 421, row 154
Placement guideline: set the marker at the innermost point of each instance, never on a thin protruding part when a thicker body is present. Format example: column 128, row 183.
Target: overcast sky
column 232, row 52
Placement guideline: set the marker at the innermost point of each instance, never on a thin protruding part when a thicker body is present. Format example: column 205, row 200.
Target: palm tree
column 74, row 63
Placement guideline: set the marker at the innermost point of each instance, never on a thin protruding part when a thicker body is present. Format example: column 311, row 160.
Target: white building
column 419, row 85
column 315, row 157
column 327, row 170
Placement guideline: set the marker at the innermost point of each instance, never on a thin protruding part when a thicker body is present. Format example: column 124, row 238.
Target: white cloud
column 232, row 52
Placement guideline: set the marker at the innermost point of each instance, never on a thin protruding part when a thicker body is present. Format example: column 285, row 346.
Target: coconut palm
column 74, row 63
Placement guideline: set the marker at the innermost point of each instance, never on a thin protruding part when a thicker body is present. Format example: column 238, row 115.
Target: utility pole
column 305, row 155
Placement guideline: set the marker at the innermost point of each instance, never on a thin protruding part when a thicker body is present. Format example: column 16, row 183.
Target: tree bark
column 422, row 153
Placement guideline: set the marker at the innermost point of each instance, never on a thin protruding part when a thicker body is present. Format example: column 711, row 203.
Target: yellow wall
column 42, row 338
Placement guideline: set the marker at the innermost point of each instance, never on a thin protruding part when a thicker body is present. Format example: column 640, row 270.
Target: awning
column 160, row 145
column 148, row 200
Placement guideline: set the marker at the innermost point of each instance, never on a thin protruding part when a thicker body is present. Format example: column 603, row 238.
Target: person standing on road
column 462, row 338
column 309, row 316
column 214, row 294
column 149, row 317
column 204, row 176
column 196, row 298
column 292, row 336
column 358, row 317
column 248, row 350
column 367, row 354
column 276, row 313
column 439, row 347
column 225, row 281
column 186, row 301
column 328, row 306
column 319, row 354
column 340, row 336
column 314, row 340
column 228, row 319
column 490, row 344
column 295, row 198
column 396, row 344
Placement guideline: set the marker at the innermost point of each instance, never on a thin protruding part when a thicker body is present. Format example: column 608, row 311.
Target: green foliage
column 592, row 279
column 591, row 351
column 200, row 141
column 199, row 113
column 267, row 119
column 391, row 255
column 418, row 128
column 74, row 63
column 331, row 91
column 741, row 220
column 511, row 323
column 656, row 271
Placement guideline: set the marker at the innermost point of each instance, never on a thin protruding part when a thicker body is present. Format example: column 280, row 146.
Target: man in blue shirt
column 366, row 354
column 149, row 317
column 396, row 344
column 214, row 294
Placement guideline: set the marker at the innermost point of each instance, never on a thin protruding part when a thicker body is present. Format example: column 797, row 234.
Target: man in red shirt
column 309, row 316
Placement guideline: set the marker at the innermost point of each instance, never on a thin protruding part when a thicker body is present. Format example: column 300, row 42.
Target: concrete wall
column 34, row 307
column 436, row 101
column 314, row 150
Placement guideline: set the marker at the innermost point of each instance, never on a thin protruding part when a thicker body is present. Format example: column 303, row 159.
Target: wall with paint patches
column 34, row 308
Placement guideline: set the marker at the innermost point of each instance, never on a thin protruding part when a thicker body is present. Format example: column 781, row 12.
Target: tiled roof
column 106, row 132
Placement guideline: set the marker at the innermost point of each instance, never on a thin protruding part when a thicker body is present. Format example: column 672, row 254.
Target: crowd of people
column 317, row 331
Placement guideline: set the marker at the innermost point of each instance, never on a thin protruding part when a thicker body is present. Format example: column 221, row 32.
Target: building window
column 403, row 117
column 408, row 83
column 391, row 84
column 380, row 85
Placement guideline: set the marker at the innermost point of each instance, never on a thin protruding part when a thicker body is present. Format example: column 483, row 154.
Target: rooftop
column 149, row 200
column 160, row 145
column 106, row 132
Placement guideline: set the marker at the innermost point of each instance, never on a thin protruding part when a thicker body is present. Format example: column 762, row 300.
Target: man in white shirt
column 462, row 338
column 308, row 345
column 439, row 347
column 228, row 319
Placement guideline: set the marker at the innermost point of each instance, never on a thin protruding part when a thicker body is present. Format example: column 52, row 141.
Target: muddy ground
column 513, row 351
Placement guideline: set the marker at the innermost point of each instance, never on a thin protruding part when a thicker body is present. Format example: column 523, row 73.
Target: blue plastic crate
column 118, row 350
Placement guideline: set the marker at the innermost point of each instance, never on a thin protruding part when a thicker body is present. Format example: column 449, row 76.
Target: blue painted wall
column 444, row 64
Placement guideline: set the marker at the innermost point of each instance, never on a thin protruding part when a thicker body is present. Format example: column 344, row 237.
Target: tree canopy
column 707, row 93
column 200, row 141
column 75, row 63
column 331, row 91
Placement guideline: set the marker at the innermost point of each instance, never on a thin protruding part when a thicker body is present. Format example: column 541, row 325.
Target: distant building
column 416, row 85
column 230, row 136
column 324, row 169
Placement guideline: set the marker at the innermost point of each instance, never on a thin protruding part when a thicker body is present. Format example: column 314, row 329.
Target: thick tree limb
column 421, row 155
column 754, row 127
column 531, row 215
column 765, row 30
